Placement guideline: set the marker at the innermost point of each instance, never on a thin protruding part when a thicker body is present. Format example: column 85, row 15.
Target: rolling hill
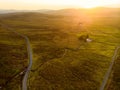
column 63, row 60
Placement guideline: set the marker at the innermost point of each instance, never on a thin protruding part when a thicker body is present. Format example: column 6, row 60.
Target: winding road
column 107, row 75
column 30, row 55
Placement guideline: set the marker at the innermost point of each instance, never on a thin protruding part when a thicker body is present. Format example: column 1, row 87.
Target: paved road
column 29, row 50
column 107, row 75
column 30, row 56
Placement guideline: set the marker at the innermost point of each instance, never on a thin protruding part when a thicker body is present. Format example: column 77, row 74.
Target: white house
column 88, row 40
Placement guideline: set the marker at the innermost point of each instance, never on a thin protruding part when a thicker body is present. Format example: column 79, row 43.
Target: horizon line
column 63, row 8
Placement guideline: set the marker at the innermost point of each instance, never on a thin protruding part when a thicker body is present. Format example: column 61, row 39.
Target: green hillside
column 13, row 59
column 63, row 60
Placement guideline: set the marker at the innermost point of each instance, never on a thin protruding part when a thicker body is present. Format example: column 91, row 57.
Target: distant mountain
column 82, row 11
column 43, row 10
column 11, row 11
column 14, row 11
column 68, row 12
column 5, row 11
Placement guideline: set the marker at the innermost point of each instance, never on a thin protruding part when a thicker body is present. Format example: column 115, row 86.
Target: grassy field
column 62, row 61
column 13, row 59
column 114, row 80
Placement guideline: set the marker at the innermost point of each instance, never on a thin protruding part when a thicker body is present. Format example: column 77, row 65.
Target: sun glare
column 79, row 3
column 55, row 4
column 88, row 4
column 76, row 3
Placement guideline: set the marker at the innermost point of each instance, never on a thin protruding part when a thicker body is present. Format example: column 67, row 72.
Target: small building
column 88, row 40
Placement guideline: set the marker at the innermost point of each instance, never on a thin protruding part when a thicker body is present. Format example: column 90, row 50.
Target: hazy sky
column 55, row 4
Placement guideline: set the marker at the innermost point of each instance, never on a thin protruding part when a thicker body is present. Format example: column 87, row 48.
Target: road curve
column 107, row 75
column 29, row 49
column 30, row 55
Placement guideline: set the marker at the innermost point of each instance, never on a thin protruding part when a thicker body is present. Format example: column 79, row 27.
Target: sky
column 56, row 4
